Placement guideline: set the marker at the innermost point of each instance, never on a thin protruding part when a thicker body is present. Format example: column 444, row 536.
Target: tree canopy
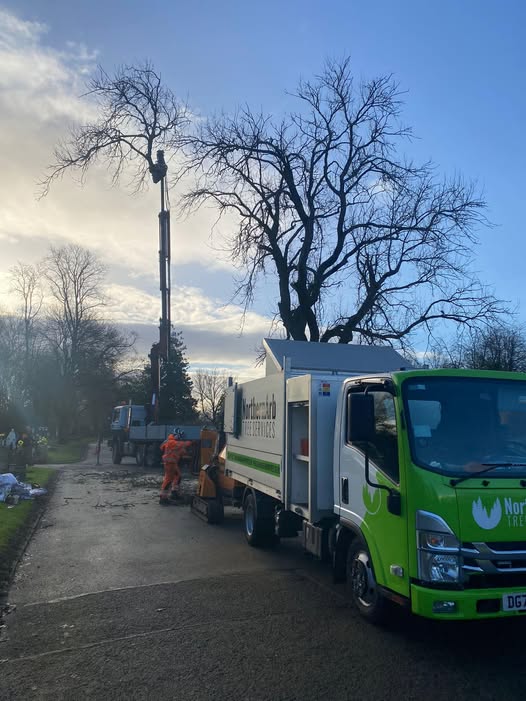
column 210, row 388
column 136, row 115
column 59, row 359
column 497, row 347
column 365, row 245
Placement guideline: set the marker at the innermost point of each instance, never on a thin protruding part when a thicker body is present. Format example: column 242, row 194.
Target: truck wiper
column 488, row 466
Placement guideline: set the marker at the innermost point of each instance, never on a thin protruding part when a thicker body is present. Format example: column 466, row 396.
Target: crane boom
column 160, row 351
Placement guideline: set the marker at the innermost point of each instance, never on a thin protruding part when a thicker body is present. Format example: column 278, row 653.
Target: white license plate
column 514, row 602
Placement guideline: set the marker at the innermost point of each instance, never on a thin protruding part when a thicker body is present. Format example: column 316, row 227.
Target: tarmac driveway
column 118, row 598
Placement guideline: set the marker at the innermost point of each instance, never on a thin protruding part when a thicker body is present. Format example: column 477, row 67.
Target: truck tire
column 116, row 454
column 361, row 583
column 149, row 456
column 139, row 455
column 259, row 531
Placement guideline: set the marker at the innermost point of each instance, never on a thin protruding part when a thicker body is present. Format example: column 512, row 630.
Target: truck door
column 365, row 507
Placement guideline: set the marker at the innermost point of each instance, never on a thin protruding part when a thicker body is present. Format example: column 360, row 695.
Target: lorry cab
column 430, row 481
column 123, row 418
column 126, row 415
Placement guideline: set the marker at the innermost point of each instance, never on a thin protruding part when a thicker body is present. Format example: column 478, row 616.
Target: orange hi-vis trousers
column 173, row 450
column 172, row 477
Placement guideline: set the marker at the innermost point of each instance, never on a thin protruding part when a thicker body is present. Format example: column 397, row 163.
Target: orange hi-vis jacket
column 173, row 450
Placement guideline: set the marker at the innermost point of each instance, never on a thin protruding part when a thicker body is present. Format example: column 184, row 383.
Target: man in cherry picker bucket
column 173, row 449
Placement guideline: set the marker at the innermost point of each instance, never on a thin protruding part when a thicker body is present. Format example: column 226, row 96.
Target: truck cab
column 123, row 418
column 430, row 492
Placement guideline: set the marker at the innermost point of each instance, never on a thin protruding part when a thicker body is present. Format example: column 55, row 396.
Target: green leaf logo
column 371, row 499
column 484, row 517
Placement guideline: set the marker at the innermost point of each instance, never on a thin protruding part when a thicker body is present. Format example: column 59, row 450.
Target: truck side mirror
column 360, row 417
column 394, row 503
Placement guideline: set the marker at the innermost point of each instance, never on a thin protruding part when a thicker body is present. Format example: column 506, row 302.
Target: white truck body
column 280, row 428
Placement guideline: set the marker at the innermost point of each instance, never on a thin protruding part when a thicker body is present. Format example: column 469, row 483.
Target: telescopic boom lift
column 160, row 351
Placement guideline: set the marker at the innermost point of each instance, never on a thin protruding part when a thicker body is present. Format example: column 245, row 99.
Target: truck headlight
column 438, row 550
column 438, row 568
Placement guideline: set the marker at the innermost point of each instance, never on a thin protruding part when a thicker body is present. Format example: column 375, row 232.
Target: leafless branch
column 365, row 244
column 137, row 115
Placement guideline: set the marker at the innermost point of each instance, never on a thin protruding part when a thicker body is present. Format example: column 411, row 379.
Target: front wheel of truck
column 139, row 455
column 116, row 454
column 361, row 583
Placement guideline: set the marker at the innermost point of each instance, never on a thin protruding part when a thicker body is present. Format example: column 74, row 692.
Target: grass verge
column 12, row 519
column 16, row 523
column 67, row 453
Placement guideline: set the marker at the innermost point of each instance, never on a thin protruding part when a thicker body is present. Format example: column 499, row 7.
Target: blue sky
column 462, row 64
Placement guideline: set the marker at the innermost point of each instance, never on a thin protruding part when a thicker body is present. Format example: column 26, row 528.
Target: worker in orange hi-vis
column 173, row 449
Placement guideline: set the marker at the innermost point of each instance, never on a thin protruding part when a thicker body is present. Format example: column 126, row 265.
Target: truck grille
column 489, row 565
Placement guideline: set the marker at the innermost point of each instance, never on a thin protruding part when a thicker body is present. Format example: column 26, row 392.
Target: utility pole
column 161, row 350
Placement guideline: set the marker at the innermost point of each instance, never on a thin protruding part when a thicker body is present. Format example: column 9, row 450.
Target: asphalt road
column 119, row 598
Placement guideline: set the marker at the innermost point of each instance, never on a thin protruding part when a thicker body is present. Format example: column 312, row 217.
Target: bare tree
column 497, row 347
column 137, row 115
column 365, row 245
column 26, row 284
column 74, row 276
column 60, row 362
column 209, row 388
column 85, row 349
column 11, row 363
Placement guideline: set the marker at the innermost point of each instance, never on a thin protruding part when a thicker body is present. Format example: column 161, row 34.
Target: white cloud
column 208, row 349
column 211, row 331
column 7, row 239
column 15, row 32
column 190, row 308
column 40, row 89
column 37, row 81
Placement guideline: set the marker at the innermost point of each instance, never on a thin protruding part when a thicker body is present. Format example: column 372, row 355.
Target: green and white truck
column 412, row 482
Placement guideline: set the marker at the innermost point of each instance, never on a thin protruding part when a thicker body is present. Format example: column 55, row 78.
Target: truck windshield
column 459, row 425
